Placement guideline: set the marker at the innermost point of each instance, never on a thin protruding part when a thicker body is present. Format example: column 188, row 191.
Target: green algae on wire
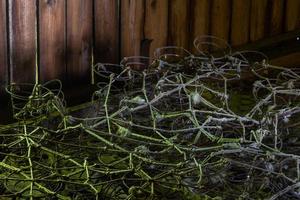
column 180, row 126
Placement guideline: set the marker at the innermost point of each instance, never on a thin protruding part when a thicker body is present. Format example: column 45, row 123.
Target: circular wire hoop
column 30, row 100
column 136, row 63
column 211, row 45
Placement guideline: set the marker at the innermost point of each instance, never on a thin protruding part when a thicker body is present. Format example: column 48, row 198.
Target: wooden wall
column 62, row 36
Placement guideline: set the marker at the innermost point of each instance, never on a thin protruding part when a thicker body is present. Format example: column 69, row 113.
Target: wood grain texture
column 277, row 10
column 156, row 25
column 258, row 18
column 52, row 39
column 106, row 31
column 200, row 18
column 220, row 18
column 132, row 25
column 5, row 113
column 240, row 21
column 22, row 18
column 3, row 47
column 179, row 23
column 79, row 40
column 292, row 17
column 290, row 60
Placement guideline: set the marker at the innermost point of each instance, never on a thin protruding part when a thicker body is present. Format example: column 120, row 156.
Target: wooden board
column 240, row 21
column 220, row 18
column 258, row 21
column 106, row 17
column 4, row 107
column 156, row 26
column 132, row 25
column 292, row 17
column 52, row 39
column 22, row 26
column 277, row 10
column 179, row 23
column 3, row 47
column 290, row 60
column 200, row 13
column 79, row 41
column 275, row 46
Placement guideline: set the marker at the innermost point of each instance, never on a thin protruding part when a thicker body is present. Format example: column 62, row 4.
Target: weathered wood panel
column 79, row 40
column 4, row 109
column 65, row 37
column 292, row 17
column 220, row 18
column 156, row 26
column 240, row 21
column 22, row 18
column 107, row 31
column 3, row 47
column 200, row 14
column 291, row 60
column 258, row 26
column 132, row 25
column 52, row 39
column 179, row 23
column 276, row 18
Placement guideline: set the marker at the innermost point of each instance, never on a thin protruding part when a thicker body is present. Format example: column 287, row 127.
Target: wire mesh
column 181, row 126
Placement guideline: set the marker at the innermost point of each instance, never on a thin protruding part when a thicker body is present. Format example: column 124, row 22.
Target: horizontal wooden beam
column 290, row 60
column 276, row 46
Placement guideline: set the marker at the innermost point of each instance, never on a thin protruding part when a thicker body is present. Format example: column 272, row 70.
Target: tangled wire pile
column 180, row 126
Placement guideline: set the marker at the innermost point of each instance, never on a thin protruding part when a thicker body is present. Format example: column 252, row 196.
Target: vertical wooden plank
column 200, row 19
column 220, row 18
column 156, row 24
column 3, row 47
column 106, row 31
column 258, row 19
column 79, row 40
column 240, row 21
column 52, row 39
column 22, row 17
column 292, row 19
column 3, row 63
column 132, row 25
column 276, row 25
column 179, row 23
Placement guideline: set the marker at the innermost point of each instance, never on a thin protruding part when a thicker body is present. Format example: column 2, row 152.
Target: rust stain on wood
column 240, row 21
column 292, row 18
column 3, row 48
column 132, row 25
column 200, row 19
column 258, row 27
column 277, row 10
column 179, row 23
column 107, row 31
column 52, row 40
column 79, row 41
column 156, row 25
column 220, row 18
column 22, row 40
